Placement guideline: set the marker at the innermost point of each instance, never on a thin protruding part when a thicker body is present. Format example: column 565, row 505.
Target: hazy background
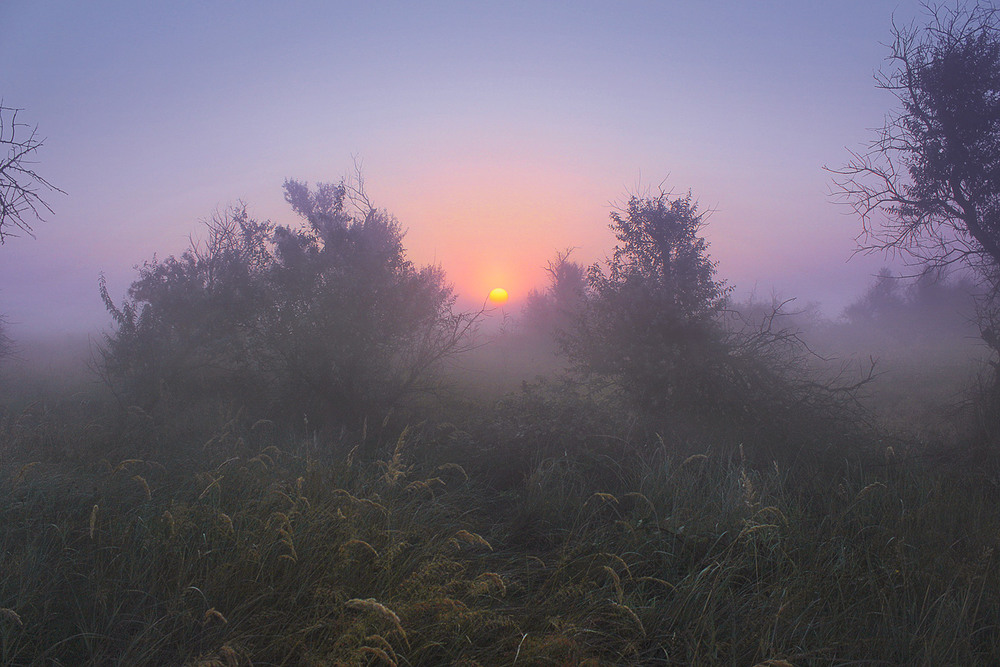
column 496, row 134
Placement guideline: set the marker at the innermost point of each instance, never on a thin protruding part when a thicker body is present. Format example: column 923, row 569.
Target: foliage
column 650, row 324
column 929, row 307
column 330, row 320
column 554, row 311
column 933, row 172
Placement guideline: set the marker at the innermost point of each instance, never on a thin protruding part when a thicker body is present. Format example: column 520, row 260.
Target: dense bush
column 329, row 320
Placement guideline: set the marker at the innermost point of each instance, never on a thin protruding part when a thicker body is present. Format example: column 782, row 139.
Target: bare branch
column 21, row 187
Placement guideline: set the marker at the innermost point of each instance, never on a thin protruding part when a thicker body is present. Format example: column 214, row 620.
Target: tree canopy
column 328, row 320
column 929, row 183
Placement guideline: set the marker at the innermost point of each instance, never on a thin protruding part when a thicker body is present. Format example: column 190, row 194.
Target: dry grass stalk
column 617, row 559
column 378, row 609
column 372, row 504
column 381, row 642
column 93, row 521
column 361, row 543
column 454, row 466
column 865, row 491
column 214, row 483
column 168, row 517
column 145, row 485
column 213, row 614
column 473, row 538
column 640, row 496
column 657, row 580
column 124, row 464
column 11, row 615
column 606, row 497
column 378, row 653
column 227, row 522
column 617, row 583
column 417, row 486
column 694, row 458
column 627, row 611
column 495, row 579
column 771, row 509
column 750, row 530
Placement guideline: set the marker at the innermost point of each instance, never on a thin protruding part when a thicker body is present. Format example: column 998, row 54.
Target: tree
column 552, row 312
column 651, row 323
column 656, row 329
column 21, row 187
column 328, row 320
column 355, row 324
column 882, row 303
column 929, row 183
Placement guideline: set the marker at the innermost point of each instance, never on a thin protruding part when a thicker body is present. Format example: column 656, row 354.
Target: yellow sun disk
column 498, row 295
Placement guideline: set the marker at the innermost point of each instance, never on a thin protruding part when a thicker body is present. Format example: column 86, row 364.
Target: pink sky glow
column 497, row 134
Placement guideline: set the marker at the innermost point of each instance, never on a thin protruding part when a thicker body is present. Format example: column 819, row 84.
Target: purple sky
column 497, row 134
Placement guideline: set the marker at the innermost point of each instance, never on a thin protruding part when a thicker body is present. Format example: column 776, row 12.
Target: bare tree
column 928, row 185
column 21, row 188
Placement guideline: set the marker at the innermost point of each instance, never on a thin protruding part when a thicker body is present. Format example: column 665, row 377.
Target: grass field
column 532, row 539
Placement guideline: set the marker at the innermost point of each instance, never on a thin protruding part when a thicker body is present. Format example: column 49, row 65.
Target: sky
column 497, row 133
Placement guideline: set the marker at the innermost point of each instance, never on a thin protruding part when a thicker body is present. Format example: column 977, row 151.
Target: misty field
column 536, row 528
column 292, row 449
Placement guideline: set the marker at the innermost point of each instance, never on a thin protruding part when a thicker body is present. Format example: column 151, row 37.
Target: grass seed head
column 627, row 611
column 381, row 642
column 213, row 614
column 694, row 458
column 141, row 481
column 495, row 579
column 473, row 538
column 605, row 497
column 378, row 653
column 370, row 606
column 11, row 615
column 454, row 466
column 364, row 545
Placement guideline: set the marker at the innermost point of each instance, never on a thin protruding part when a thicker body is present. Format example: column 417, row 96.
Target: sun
column 498, row 295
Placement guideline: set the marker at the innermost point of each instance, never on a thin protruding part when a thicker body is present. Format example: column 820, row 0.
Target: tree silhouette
column 651, row 324
column 328, row 320
column 929, row 183
column 21, row 187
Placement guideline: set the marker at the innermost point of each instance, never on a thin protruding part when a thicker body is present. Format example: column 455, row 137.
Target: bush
column 330, row 320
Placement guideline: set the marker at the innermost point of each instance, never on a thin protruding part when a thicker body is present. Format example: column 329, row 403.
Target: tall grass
column 260, row 548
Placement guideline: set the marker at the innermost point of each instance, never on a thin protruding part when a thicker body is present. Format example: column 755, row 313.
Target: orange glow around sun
column 498, row 296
